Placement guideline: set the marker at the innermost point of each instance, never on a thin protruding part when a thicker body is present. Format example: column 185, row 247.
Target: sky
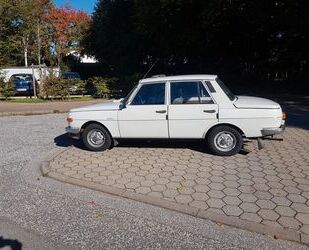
column 86, row 5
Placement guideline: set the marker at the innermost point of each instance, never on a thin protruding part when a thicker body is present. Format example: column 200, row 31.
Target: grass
column 39, row 100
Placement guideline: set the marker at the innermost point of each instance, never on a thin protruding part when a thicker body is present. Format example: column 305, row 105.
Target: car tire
column 96, row 138
column 224, row 141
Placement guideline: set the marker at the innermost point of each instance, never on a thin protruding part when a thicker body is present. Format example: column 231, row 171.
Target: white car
column 179, row 107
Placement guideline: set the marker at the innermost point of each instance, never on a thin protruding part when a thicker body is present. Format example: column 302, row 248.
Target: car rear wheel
column 224, row 141
column 96, row 138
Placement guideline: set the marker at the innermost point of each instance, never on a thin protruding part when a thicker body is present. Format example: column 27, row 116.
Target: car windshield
column 229, row 94
column 22, row 78
column 126, row 99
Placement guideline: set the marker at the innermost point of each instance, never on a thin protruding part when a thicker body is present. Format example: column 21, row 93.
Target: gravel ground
column 45, row 214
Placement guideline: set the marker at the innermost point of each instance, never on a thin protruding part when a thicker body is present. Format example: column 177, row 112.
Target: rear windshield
column 229, row 94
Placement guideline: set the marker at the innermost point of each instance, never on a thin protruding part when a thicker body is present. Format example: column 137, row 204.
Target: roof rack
column 156, row 76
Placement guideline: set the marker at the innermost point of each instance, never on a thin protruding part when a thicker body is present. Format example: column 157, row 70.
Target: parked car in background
column 75, row 78
column 23, row 84
column 179, row 107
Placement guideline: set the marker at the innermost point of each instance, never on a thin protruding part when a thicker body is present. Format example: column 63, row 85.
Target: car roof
column 179, row 77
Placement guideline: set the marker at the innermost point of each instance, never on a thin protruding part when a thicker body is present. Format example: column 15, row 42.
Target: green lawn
column 38, row 100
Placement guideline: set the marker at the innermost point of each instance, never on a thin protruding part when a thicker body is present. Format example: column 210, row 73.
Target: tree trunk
column 25, row 43
column 39, row 43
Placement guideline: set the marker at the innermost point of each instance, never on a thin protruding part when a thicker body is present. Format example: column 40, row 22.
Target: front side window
column 189, row 93
column 150, row 94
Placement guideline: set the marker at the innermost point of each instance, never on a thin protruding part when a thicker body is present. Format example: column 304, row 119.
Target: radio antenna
column 151, row 68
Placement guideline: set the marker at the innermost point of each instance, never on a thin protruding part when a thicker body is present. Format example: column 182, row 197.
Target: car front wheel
column 96, row 138
column 224, row 141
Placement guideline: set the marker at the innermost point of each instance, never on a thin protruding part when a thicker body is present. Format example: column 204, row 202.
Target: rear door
column 192, row 110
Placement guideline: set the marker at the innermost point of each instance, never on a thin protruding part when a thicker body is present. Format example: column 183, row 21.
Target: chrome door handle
column 161, row 111
column 209, row 111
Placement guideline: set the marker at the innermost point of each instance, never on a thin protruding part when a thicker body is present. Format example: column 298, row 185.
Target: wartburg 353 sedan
column 179, row 107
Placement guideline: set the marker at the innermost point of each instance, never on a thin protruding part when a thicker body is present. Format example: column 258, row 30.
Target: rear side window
column 189, row 93
column 210, row 87
column 150, row 94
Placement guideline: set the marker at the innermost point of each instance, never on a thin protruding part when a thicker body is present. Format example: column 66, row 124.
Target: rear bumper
column 273, row 131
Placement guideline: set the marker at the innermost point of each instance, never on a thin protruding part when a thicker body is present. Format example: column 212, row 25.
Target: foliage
column 102, row 86
column 7, row 88
column 54, row 87
column 80, row 87
column 258, row 40
column 67, row 27
column 36, row 31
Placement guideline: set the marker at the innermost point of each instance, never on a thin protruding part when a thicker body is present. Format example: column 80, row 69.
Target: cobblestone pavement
column 264, row 191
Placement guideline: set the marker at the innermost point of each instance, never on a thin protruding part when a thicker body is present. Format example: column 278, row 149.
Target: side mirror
column 122, row 106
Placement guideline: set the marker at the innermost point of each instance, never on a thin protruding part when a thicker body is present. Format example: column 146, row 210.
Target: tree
column 243, row 41
column 67, row 27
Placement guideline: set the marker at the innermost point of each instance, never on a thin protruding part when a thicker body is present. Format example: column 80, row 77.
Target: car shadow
column 196, row 145
column 10, row 244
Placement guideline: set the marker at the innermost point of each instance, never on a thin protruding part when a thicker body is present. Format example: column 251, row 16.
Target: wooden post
column 33, row 81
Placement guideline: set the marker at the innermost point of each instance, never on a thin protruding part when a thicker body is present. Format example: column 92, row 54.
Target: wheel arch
column 225, row 124
column 96, row 122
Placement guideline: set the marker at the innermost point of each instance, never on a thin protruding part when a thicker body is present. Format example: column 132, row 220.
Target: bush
column 102, row 87
column 7, row 88
column 56, row 87
column 80, row 87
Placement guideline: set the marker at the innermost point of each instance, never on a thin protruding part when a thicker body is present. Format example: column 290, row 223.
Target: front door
column 192, row 111
column 146, row 114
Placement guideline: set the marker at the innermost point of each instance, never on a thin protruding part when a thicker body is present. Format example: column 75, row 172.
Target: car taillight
column 283, row 116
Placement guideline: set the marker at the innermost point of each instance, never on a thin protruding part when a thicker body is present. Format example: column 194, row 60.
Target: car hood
column 99, row 107
column 250, row 102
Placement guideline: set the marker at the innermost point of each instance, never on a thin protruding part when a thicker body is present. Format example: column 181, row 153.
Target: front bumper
column 73, row 132
column 273, row 131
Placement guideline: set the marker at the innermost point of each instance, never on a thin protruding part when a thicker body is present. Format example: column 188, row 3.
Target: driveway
column 63, row 216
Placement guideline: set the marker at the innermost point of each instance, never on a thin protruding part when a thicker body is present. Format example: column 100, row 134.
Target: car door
column 192, row 110
column 145, row 116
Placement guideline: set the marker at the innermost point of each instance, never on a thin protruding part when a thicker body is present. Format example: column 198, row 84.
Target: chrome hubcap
column 96, row 138
column 225, row 141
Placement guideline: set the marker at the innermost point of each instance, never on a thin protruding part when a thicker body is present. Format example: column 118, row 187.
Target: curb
column 274, row 232
column 29, row 113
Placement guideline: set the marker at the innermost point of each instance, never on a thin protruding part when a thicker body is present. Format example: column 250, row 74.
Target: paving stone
column 300, row 207
column 215, row 203
column 199, row 204
column 170, row 193
column 249, row 207
column 267, row 214
column 232, row 210
column 251, row 217
column 183, row 198
column 132, row 185
column 289, row 222
column 263, row 195
column 200, row 196
column 216, row 194
column 158, row 188
column 305, row 229
column 267, row 204
column 282, row 201
column 303, row 218
column 296, row 198
column 247, row 197
column 143, row 190
column 232, row 200
column 201, row 188
column 285, row 211
column 216, row 186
